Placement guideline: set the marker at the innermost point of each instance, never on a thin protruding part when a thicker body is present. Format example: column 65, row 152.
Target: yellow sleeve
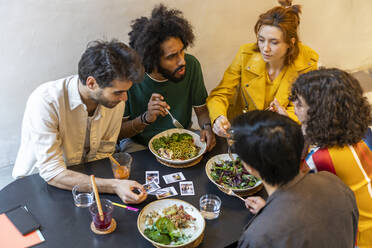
column 291, row 112
column 290, row 107
column 220, row 97
column 312, row 68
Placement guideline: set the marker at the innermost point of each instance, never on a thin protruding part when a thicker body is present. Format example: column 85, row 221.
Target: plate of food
column 177, row 146
column 228, row 174
column 171, row 223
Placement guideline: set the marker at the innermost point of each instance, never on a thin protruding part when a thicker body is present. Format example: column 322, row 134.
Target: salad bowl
column 194, row 233
column 250, row 188
column 167, row 133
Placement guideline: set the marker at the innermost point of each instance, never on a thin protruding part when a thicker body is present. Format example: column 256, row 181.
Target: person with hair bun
column 335, row 118
column 261, row 74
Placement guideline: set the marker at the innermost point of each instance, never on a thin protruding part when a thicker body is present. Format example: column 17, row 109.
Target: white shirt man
column 54, row 130
column 78, row 119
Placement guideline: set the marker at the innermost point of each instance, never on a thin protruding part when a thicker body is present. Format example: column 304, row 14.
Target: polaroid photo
column 187, row 188
column 152, row 176
column 151, row 187
column 166, row 192
column 172, row 178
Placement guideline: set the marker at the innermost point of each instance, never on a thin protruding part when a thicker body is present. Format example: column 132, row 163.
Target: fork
column 231, row 192
column 174, row 120
column 229, row 144
column 229, row 149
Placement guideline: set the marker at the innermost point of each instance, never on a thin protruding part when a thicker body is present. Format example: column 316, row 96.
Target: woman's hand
column 221, row 125
column 276, row 107
column 254, row 204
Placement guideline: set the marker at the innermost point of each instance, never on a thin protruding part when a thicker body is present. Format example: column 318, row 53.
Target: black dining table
column 65, row 225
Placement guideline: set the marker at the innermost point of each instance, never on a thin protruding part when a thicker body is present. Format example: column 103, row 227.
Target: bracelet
column 205, row 125
column 143, row 118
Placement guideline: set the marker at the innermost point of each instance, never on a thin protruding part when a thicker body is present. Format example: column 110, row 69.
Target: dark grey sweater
column 314, row 210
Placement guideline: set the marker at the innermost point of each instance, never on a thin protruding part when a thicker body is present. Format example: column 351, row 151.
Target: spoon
column 231, row 192
column 174, row 120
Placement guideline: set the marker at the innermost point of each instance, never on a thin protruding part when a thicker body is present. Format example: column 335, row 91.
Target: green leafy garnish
column 163, row 231
column 232, row 174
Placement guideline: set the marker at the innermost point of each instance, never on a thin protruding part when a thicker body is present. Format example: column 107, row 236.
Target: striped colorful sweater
column 353, row 165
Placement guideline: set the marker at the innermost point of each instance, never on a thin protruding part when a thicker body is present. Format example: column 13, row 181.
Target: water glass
column 107, row 209
column 83, row 195
column 210, row 206
column 125, row 161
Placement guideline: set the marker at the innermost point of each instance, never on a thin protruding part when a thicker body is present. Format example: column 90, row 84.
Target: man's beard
column 171, row 75
column 99, row 99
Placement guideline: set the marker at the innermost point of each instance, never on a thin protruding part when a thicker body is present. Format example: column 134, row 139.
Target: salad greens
column 164, row 231
column 232, row 174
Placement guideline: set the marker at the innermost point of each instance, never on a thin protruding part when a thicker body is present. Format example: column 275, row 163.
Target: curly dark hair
column 287, row 18
column 338, row 113
column 270, row 143
column 149, row 33
column 107, row 61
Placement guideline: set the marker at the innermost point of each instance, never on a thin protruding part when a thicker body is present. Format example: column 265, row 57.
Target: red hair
column 287, row 18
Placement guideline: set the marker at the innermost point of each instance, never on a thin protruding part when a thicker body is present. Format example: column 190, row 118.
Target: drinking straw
column 96, row 195
column 114, row 160
column 125, row 206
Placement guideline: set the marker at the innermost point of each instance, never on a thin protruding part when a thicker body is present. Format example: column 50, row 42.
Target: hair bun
column 285, row 3
column 288, row 4
column 296, row 8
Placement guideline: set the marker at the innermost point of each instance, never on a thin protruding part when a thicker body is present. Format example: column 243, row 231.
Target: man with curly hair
column 335, row 118
column 173, row 80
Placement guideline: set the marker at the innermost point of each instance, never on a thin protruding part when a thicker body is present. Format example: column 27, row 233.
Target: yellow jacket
column 247, row 74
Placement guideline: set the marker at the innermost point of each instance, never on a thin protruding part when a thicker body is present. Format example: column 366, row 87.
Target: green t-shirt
column 180, row 96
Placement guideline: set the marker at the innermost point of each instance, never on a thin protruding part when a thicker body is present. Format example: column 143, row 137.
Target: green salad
column 232, row 174
column 178, row 146
column 172, row 226
column 164, row 232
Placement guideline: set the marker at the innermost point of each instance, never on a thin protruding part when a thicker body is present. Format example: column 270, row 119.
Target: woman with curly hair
column 335, row 118
column 261, row 75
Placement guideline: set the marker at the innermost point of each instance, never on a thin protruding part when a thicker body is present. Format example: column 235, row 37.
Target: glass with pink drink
column 107, row 209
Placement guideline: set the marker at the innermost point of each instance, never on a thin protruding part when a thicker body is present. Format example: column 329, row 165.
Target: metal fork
column 230, row 141
column 174, row 120
column 231, row 192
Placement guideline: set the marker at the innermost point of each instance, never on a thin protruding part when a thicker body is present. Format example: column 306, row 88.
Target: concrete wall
column 42, row 40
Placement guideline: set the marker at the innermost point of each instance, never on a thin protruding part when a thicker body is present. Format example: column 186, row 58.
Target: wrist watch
column 206, row 125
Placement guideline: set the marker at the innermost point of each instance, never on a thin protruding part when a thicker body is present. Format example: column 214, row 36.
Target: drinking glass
column 125, row 161
column 83, row 195
column 210, row 206
column 107, row 209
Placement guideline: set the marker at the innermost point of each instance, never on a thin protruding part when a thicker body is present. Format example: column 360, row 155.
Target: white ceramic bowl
column 158, row 206
column 169, row 132
column 224, row 157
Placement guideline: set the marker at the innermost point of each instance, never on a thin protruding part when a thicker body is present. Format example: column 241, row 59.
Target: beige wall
column 42, row 40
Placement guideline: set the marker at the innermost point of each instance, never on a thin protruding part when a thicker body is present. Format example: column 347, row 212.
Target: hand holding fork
column 157, row 106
